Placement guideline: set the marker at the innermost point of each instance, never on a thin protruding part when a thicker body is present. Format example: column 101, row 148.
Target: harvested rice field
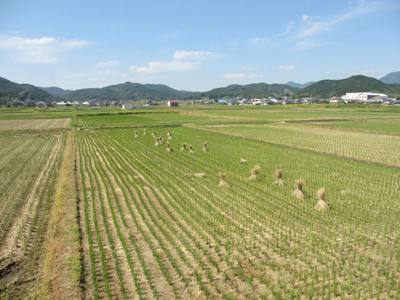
column 28, row 165
column 379, row 148
column 34, row 124
column 260, row 203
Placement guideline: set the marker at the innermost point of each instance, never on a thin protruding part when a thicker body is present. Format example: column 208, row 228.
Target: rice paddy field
column 28, row 166
column 207, row 203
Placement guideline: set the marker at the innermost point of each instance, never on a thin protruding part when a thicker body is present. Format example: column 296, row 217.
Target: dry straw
column 169, row 149
column 322, row 205
column 222, row 180
column 144, row 131
column 298, row 192
column 205, row 146
column 278, row 177
column 243, row 161
column 197, row 175
column 254, row 172
column 136, row 134
column 184, row 147
column 169, row 135
column 191, row 149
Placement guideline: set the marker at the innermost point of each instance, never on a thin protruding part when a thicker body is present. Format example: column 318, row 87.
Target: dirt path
column 60, row 272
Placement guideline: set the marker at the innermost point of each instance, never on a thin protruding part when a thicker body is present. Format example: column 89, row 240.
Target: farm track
column 154, row 233
column 23, row 236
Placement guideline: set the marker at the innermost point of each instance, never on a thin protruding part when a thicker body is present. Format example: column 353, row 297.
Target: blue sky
column 196, row 44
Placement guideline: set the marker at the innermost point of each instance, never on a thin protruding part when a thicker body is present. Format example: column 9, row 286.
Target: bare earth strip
column 34, row 124
column 61, row 264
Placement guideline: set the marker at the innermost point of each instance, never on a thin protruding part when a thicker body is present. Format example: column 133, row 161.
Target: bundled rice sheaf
column 169, row 135
column 153, row 134
column 298, row 192
column 168, row 148
column 191, row 149
column 184, row 147
column 205, row 147
column 243, row 161
column 136, row 134
column 321, row 205
column 254, row 172
column 222, row 180
column 278, row 177
column 156, row 142
column 144, row 131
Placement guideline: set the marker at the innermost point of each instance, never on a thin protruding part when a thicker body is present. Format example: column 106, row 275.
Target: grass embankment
column 61, row 271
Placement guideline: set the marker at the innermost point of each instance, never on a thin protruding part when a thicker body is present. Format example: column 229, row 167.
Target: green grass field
column 155, row 222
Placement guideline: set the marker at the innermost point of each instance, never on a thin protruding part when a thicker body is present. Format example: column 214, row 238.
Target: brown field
column 28, row 166
column 35, row 124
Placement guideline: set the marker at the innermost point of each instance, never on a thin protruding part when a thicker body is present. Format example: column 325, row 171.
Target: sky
column 196, row 44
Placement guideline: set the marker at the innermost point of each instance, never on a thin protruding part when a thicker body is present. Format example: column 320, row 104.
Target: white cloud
column 313, row 25
column 107, row 64
column 40, row 50
column 72, row 44
column 181, row 61
column 192, row 55
column 165, row 66
column 240, row 75
column 289, row 28
column 286, row 67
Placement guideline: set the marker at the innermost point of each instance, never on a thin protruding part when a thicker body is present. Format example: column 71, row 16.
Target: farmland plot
column 390, row 126
column 28, row 163
column 153, row 230
column 363, row 146
column 34, row 124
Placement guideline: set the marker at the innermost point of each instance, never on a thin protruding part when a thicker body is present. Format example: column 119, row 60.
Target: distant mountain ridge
column 357, row 83
column 299, row 85
column 54, row 90
column 391, row 78
column 137, row 91
column 11, row 91
column 130, row 91
column 253, row 90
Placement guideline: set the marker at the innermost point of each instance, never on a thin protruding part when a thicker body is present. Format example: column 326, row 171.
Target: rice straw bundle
column 254, row 172
column 278, row 177
column 298, row 192
column 321, row 205
column 222, row 181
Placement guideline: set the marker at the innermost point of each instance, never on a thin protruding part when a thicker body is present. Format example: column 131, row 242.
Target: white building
column 364, row 97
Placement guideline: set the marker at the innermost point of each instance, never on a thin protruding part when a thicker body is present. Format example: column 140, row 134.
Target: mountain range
column 14, row 91
column 299, row 85
column 10, row 91
column 391, row 78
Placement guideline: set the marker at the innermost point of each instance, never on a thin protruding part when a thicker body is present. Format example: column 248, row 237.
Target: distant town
column 348, row 98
